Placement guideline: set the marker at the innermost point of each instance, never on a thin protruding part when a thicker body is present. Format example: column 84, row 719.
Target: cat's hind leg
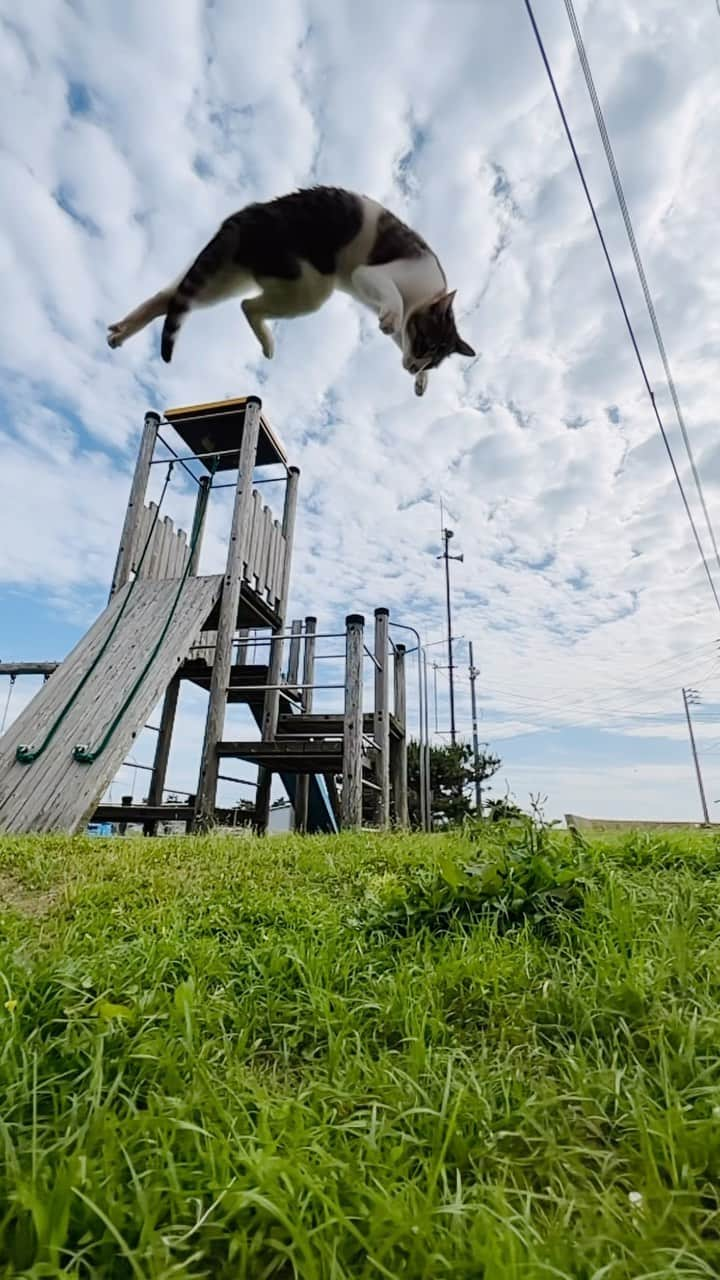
column 136, row 320
column 255, row 314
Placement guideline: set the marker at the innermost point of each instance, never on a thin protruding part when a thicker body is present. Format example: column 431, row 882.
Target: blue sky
column 128, row 132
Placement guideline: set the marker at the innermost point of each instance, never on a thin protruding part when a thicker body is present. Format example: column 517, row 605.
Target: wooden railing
column 167, row 554
column 263, row 570
column 264, row 567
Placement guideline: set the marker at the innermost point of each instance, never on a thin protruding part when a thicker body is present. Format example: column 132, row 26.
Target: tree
column 452, row 777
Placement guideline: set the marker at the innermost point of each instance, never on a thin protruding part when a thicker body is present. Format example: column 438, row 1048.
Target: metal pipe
column 372, row 657
column 197, row 457
column 424, row 815
column 230, row 484
column 286, row 635
column 260, row 688
column 192, row 475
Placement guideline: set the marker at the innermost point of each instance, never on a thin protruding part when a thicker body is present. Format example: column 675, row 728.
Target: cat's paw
column 421, row 382
column 116, row 335
column 267, row 342
column 390, row 321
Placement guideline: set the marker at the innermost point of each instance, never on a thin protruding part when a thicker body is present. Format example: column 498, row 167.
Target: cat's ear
column 463, row 348
column 444, row 304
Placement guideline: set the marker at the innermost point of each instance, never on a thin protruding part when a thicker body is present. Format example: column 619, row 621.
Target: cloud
column 128, row 132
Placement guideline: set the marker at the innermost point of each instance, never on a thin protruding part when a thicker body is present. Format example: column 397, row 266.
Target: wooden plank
column 204, row 649
column 197, row 533
column 293, row 666
column 227, row 621
column 28, row 668
column 174, row 564
column 128, row 538
column 172, row 569
column 329, row 724
column 302, row 789
column 142, row 532
column 149, row 569
column 264, row 551
column 151, row 814
column 56, row 793
column 286, row 757
column 272, row 695
column 280, row 574
column 183, row 553
column 242, row 647
column 251, row 573
column 267, row 586
column 274, row 566
column 163, row 742
column 167, row 538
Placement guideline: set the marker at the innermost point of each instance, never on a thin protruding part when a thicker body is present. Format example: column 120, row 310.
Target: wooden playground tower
column 164, row 623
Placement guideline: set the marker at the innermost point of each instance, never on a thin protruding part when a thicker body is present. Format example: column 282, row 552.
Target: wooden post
column 302, row 784
column 272, row 693
column 198, row 525
column 162, row 750
column 381, row 720
column 272, row 696
column 136, row 502
column 122, row 826
column 353, row 721
column 294, row 654
column 398, row 746
column 227, row 622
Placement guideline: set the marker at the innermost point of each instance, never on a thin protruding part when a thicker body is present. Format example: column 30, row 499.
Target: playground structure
column 165, row 623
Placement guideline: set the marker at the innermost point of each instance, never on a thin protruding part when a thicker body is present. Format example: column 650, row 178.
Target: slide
column 56, row 792
column 320, row 811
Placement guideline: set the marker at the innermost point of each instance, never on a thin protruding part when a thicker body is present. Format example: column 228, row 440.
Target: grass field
column 354, row 1057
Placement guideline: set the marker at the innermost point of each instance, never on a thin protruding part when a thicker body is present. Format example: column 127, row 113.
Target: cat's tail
column 208, row 262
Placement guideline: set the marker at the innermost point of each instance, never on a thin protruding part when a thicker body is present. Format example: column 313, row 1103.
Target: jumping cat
column 299, row 248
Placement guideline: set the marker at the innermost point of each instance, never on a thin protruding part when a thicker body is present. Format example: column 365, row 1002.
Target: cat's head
column 430, row 336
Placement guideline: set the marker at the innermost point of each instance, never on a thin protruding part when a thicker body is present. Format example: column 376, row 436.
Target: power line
column 606, row 703
column 609, row 155
column 620, row 297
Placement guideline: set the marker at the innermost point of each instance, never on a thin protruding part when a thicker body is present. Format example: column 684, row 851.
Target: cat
column 298, row 249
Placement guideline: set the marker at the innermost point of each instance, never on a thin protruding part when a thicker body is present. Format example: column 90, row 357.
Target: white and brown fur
column 297, row 250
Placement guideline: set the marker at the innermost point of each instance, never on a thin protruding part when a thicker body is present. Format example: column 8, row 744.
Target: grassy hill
column 363, row 1056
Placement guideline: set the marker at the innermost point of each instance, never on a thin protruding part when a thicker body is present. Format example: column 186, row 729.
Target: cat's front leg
column 377, row 289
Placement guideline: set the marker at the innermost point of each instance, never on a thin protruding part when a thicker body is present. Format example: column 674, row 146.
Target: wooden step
column 289, row 755
column 327, row 725
column 246, row 685
column 143, row 813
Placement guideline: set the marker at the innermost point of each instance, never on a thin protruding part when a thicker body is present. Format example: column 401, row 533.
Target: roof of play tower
column 217, row 427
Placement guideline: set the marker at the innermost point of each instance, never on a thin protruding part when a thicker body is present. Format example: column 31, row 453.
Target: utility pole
column 447, row 534
column 691, row 698
column 474, row 673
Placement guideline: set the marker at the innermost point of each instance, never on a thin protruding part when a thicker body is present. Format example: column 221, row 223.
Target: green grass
column 353, row 1057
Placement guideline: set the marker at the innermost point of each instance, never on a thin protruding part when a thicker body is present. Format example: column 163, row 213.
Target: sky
column 127, row 132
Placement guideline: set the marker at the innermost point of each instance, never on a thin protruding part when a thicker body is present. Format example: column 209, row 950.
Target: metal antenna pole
column 447, row 534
